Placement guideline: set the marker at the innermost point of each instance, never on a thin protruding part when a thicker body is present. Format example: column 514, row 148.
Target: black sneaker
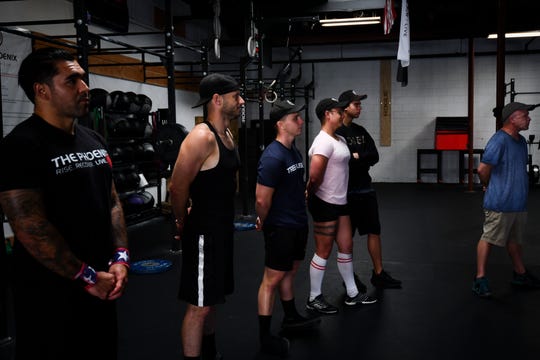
column 320, row 305
column 384, row 280
column 481, row 287
column 359, row 299
column 300, row 323
column 275, row 345
column 359, row 285
column 526, row 280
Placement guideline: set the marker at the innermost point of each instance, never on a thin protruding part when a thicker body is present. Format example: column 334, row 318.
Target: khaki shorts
column 501, row 228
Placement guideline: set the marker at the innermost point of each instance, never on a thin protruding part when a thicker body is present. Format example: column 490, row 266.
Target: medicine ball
column 168, row 140
column 137, row 202
column 148, row 151
column 119, row 101
column 118, row 126
column 137, row 124
column 133, row 105
column 119, row 181
column 117, row 153
column 145, row 104
column 100, row 98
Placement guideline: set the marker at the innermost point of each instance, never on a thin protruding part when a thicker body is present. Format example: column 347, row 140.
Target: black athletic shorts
column 207, row 266
column 283, row 246
column 322, row 211
column 364, row 213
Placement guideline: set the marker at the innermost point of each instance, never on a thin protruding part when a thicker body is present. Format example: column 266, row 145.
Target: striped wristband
column 121, row 256
column 87, row 275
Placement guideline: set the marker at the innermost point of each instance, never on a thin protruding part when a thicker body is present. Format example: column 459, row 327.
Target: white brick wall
column 437, row 87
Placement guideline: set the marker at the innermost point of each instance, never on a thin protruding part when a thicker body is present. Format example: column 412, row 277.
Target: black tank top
column 212, row 191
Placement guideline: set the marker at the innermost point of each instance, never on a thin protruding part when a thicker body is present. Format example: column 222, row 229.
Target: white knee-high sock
column 345, row 267
column 316, row 274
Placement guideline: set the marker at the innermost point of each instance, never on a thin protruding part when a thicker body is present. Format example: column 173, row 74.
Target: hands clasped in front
column 110, row 285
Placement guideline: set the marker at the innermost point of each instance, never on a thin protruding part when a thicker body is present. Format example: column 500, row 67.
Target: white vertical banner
column 15, row 105
column 404, row 49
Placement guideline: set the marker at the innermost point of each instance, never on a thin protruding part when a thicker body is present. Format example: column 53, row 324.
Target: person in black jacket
column 361, row 197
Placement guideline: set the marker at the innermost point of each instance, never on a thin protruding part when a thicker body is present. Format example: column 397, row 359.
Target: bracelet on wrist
column 120, row 256
column 87, row 276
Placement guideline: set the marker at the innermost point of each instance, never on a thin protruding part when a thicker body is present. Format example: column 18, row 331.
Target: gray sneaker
column 359, row 299
column 320, row 305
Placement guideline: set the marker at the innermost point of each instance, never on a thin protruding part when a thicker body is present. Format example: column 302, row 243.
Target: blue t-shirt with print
column 508, row 186
column 283, row 170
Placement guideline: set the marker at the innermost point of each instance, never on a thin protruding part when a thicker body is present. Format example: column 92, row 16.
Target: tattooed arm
column 26, row 214
column 120, row 240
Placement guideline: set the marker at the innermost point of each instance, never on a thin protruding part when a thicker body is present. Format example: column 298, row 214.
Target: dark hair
column 40, row 67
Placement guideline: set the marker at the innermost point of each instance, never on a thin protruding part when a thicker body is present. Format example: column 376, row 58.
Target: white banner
column 15, row 105
column 404, row 49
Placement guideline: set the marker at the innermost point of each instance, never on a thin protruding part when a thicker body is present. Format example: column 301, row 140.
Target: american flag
column 389, row 16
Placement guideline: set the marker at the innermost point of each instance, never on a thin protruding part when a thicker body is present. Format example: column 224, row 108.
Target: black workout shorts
column 364, row 213
column 207, row 266
column 322, row 211
column 283, row 246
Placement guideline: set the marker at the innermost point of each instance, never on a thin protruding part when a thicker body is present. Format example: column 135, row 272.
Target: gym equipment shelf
column 438, row 168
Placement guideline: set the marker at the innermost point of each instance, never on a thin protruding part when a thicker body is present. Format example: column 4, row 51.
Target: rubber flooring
column 429, row 236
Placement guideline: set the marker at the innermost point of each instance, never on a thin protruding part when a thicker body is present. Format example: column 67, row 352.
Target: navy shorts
column 364, row 213
column 283, row 246
column 322, row 211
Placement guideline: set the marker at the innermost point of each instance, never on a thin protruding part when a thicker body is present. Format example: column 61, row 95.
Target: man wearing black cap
column 503, row 172
column 205, row 173
column 281, row 209
column 361, row 197
column 327, row 203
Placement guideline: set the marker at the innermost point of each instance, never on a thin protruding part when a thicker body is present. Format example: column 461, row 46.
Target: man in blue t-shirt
column 503, row 172
column 281, row 209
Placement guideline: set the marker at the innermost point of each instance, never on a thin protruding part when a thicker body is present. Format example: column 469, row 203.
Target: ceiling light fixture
column 517, row 34
column 368, row 20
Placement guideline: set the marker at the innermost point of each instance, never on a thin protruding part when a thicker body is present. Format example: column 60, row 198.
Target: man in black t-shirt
column 56, row 189
column 361, row 197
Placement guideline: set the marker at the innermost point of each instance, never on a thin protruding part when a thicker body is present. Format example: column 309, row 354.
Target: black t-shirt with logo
column 74, row 175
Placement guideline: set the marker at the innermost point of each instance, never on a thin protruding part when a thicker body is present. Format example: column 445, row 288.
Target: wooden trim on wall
column 386, row 103
column 129, row 68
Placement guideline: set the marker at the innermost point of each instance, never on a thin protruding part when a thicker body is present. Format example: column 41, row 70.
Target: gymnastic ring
column 217, row 49
column 272, row 97
column 252, row 46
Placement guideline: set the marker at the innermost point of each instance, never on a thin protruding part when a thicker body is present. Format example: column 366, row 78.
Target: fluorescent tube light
column 351, row 21
column 517, row 34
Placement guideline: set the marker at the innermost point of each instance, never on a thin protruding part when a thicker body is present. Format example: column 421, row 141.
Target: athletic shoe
column 481, row 287
column 384, row 280
column 359, row 285
column 359, row 299
column 300, row 323
column 275, row 345
column 526, row 280
column 320, row 305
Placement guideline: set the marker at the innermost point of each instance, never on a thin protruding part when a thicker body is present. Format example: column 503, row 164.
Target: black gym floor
column 429, row 240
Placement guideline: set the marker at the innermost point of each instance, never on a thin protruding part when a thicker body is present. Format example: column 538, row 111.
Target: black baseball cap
column 329, row 104
column 350, row 95
column 509, row 109
column 215, row 84
column 283, row 107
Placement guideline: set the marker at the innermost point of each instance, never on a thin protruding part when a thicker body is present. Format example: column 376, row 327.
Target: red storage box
column 451, row 133
column 451, row 141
